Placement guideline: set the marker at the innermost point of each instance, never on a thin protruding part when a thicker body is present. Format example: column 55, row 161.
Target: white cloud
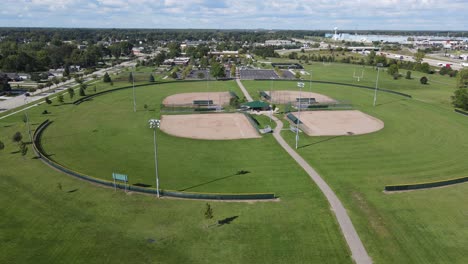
column 295, row 14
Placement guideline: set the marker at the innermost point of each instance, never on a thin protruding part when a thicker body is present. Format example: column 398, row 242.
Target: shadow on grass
column 141, row 185
column 72, row 191
column 318, row 142
column 227, row 221
column 241, row 172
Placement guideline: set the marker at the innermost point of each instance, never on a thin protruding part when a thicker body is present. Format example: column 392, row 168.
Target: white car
column 464, row 64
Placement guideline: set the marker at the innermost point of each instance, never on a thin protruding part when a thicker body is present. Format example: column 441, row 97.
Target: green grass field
column 423, row 140
column 84, row 223
column 420, row 142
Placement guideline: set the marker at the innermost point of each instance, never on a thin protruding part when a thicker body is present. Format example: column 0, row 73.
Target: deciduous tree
column 460, row 98
column 106, row 78
column 17, row 137
column 462, row 78
column 71, row 93
column 217, row 70
column 393, row 69
column 423, row 80
column 408, row 75
column 419, row 56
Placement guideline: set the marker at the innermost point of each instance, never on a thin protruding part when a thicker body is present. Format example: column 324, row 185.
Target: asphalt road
column 432, row 62
column 17, row 101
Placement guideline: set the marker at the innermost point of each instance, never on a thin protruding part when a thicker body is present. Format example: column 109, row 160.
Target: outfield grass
column 84, row 223
column 437, row 91
column 420, row 142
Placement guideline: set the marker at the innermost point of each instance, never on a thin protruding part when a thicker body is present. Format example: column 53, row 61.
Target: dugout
column 256, row 105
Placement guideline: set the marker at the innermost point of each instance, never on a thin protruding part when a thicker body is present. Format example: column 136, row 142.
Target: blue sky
column 238, row 14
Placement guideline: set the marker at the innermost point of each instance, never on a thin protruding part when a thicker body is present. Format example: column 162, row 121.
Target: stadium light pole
column 154, row 124
column 377, row 82
column 271, row 97
column 300, row 85
column 310, row 84
column 133, row 82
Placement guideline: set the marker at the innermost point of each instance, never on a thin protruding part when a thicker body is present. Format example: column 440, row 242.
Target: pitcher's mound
column 337, row 123
column 209, row 126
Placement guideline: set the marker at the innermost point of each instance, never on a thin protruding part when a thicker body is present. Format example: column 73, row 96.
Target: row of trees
column 93, row 36
column 41, row 56
column 460, row 97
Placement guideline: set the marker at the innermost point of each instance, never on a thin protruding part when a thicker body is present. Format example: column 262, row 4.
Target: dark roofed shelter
column 257, row 105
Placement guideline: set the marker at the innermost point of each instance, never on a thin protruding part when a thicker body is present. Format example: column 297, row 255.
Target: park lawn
column 84, row 223
column 420, row 142
column 438, row 90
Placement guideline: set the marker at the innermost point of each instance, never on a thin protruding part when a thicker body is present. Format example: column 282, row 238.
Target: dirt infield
column 209, row 126
column 337, row 123
column 218, row 98
column 284, row 96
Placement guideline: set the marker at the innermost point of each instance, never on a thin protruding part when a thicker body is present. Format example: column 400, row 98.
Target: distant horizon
column 245, row 29
column 408, row 15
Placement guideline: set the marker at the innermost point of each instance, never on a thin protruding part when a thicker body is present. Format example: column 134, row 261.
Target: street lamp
column 155, row 123
column 133, row 82
column 27, row 116
column 300, row 85
column 377, row 81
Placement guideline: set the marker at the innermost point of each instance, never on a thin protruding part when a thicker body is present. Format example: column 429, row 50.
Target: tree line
column 39, row 56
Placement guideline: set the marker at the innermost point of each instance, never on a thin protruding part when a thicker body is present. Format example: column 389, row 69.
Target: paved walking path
column 244, row 91
column 358, row 251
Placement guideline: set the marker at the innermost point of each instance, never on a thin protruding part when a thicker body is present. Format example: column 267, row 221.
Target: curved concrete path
column 358, row 251
column 244, row 91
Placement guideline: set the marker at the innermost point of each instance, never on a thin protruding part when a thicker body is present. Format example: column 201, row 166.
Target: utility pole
column 133, row 82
